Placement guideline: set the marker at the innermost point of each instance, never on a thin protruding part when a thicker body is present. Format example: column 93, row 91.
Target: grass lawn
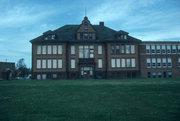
column 90, row 100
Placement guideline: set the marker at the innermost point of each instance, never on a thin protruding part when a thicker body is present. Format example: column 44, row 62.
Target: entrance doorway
column 86, row 72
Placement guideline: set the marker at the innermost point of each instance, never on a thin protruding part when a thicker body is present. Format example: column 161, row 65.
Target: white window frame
column 168, row 49
column 54, row 61
column 153, row 60
column 100, row 63
column 133, row 62
column 49, row 63
column 49, row 49
column 73, row 64
column 72, row 49
column 113, row 63
column 158, row 49
column 164, row 63
column 163, row 47
column 159, row 62
column 153, row 49
column 128, row 62
column 38, row 77
column 148, row 62
column 54, row 49
column 169, row 62
column 38, row 50
column 60, row 63
column 173, row 48
column 128, row 49
column 44, row 76
column 38, row 64
column 99, row 49
column 60, row 49
column 43, row 63
column 132, row 49
column 118, row 63
column 148, row 49
column 44, row 49
column 123, row 63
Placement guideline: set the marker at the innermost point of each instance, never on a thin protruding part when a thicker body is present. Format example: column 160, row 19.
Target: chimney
column 101, row 23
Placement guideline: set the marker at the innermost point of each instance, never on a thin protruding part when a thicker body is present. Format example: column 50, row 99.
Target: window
column 128, row 62
column 54, row 63
column 154, row 74
column 49, row 64
column 85, row 36
column 164, row 63
column 38, row 76
column 168, row 49
column 163, row 49
column 147, row 49
column 91, row 51
column 99, row 49
column 54, row 49
column 38, row 64
column 173, row 49
column 117, row 49
column 118, row 63
column 128, row 49
column 54, row 76
column 153, row 62
column 99, row 63
column 125, row 37
column 123, row 64
column 152, row 49
column 169, row 74
column 73, row 63
column 44, row 49
column 86, row 51
column 178, row 49
column 159, row 74
column 132, row 49
column 159, row 62
column 72, row 49
column 59, row 49
column 112, row 49
column 133, row 63
column 49, row 49
column 38, row 49
column 50, row 37
column 169, row 62
column 43, row 76
column 59, row 63
column 113, row 63
column 179, row 62
column 43, row 63
column 148, row 62
column 158, row 49
column 81, row 51
column 122, row 48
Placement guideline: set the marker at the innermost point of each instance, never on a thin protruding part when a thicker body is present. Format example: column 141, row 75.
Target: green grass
column 90, row 100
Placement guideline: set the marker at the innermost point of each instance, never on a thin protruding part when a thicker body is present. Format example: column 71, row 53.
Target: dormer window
column 125, row 37
column 50, row 37
column 121, row 36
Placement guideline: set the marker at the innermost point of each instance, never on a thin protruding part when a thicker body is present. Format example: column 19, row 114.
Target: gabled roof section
column 67, row 33
column 122, row 32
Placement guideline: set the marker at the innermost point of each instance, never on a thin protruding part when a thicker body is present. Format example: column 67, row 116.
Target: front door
column 86, row 71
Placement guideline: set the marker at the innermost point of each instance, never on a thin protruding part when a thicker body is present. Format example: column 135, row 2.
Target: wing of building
column 96, row 51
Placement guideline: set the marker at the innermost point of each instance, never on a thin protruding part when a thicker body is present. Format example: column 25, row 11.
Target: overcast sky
column 23, row 20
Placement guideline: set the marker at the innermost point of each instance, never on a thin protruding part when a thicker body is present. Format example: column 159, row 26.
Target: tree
column 21, row 69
